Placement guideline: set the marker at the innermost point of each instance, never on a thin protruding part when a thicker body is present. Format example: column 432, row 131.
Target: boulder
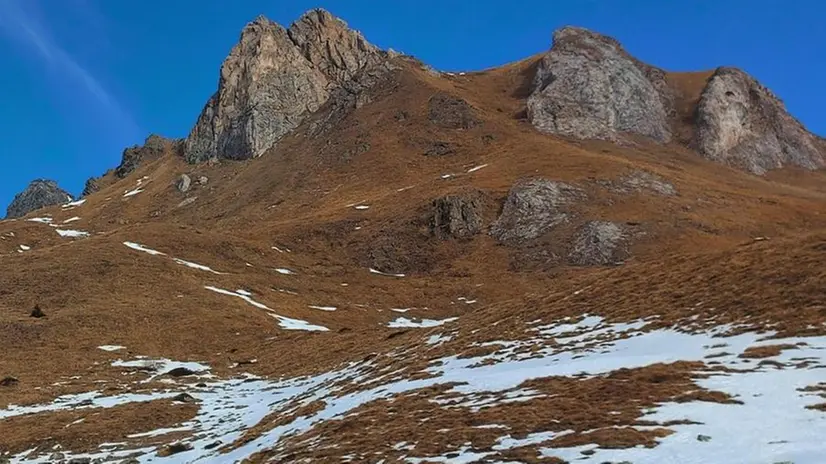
column 272, row 80
column 183, row 183
column 598, row 243
column 741, row 123
column 532, row 208
column 457, row 216
column 587, row 86
column 39, row 194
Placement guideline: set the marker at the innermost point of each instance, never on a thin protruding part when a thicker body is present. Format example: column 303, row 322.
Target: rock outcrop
column 533, row 207
column 92, row 186
column 451, row 112
column 153, row 148
column 457, row 216
column 598, row 243
column 272, row 80
column 39, row 194
column 741, row 123
column 587, row 86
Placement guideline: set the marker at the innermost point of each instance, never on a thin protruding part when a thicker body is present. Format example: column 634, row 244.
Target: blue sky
column 83, row 79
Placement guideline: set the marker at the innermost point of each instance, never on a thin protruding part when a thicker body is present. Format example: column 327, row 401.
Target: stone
column 741, row 123
column 39, row 194
column 184, row 398
column 451, row 112
column 588, row 87
column 57, row 457
column 598, row 243
column 638, row 181
column 9, row 381
column 37, row 312
column 173, row 448
column 533, row 207
column 183, row 183
column 272, row 80
column 457, row 216
column 181, row 372
column 203, row 180
column 439, row 148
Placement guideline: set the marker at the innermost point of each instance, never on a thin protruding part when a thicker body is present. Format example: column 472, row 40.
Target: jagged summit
column 742, row 123
column 272, row 80
column 588, row 86
column 40, row 193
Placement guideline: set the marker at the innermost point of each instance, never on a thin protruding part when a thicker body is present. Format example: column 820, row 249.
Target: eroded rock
column 741, row 123
column 451, row 112
column 587, row 86
column 153, row 148
column 272, row 80
column 533, row 207
column 457, row 216
column 39, row 194
column 183, row 183
column 598, row 243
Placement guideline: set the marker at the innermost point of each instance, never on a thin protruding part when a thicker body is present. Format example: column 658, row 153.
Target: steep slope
column 414, row 273
column 40, row 193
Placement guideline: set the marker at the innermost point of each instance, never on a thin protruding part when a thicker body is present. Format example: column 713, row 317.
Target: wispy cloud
column 20, row 22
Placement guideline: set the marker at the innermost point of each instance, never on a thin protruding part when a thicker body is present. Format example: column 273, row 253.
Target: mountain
column 577, row 257
column 40, row 193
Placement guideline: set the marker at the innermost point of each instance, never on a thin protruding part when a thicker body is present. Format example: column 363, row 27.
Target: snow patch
column 71, row 233
column 421, row 324
column 139, row 247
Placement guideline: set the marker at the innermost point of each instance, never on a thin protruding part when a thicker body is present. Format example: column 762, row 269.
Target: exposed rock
column 9, row 381
column 741, row 123
column 587, row 86
column 39, row 194
column 183, row 183
column 438, row 148
column 598, row 243
column 57, row 457
column 640, row 180
column 533, row 207
column 184, row 398
column 457, row 216
column 272, row 80
column 181, row 372
column 451, row 112
column 203, row 180
column 332, row 47
column 92, row 186
column 80, row 461
column 174, row 448
column 37, row 312
column 153, row 148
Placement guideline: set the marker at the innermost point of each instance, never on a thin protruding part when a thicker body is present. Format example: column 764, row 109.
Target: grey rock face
column 457, row 216
column 39, row 194
column 533, row 207
column 741, row 123
column 272, row 80
column 153, row 148
column 588, row 87
column 183, row 183
column 598, row 243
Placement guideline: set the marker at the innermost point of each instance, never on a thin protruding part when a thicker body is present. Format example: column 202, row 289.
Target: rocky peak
column 587, row 86
column 272, row 80
column 331, row 46
column 39, row 194
column 153, row 148
column 742, row 123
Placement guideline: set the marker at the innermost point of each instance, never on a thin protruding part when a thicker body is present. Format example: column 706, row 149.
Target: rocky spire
column 741, row 123
column 272, row 80
column 588, row 86
column 39, row 194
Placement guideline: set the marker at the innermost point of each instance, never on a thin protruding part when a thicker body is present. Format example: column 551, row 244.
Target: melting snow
column 374, row 271
column 361, row 207
column 42, row 220
column 476, row 168
column 284, row 271
column 200, row 267
column 130, row 193
column 324, row 308
column 72, row 204
column 285, row 322
column 25, row 247
column 139, row 247
column 72, row 219
column 422, row 324
column 71, row 233
column 111, row 347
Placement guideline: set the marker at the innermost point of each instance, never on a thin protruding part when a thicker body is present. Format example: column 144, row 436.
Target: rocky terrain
column 578, row 257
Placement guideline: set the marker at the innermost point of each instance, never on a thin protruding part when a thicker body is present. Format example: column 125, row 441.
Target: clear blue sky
column 83, row 79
